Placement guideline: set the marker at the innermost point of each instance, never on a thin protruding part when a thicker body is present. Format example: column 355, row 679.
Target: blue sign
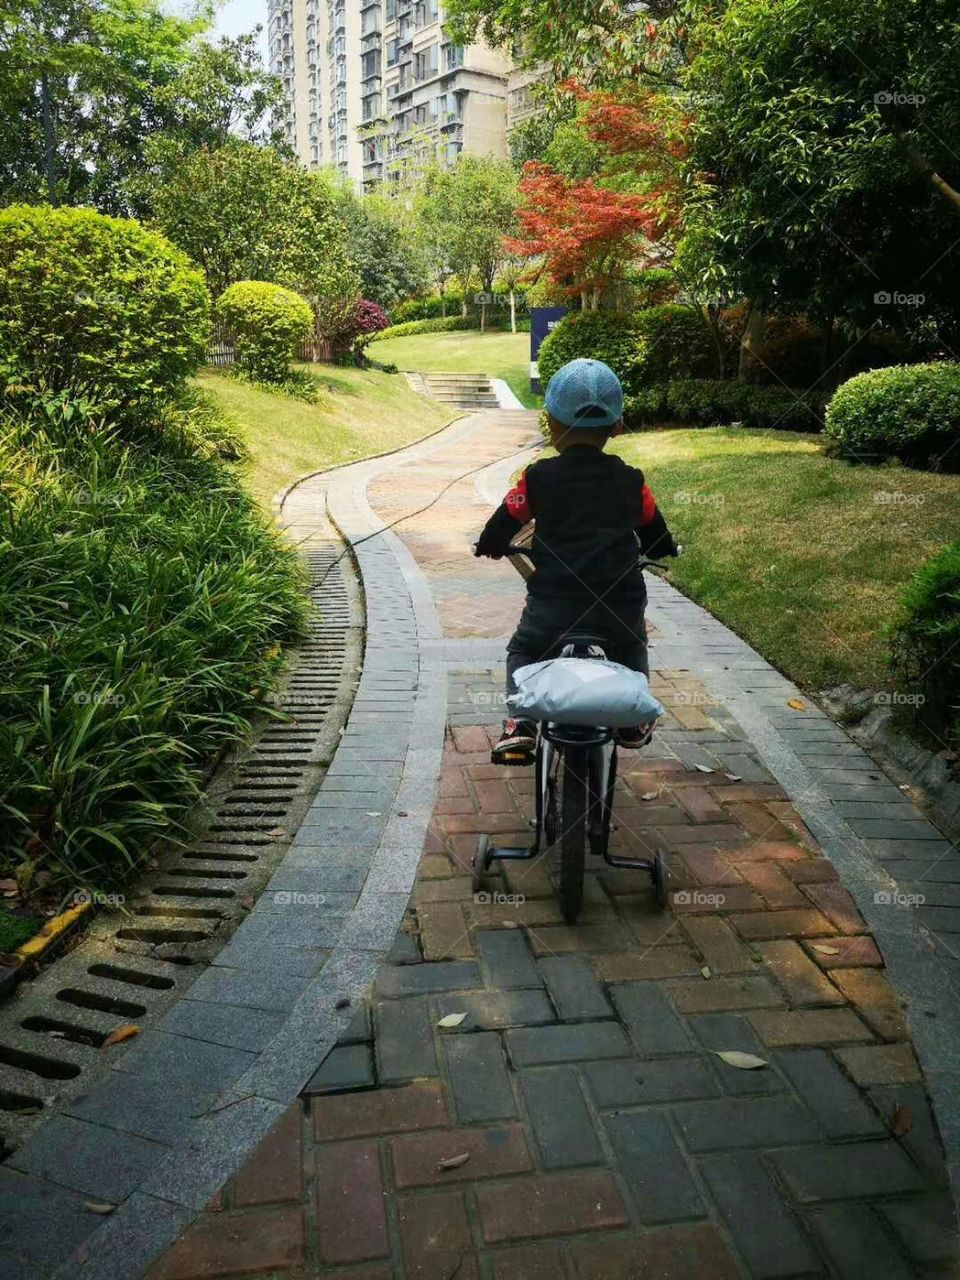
column 543, row 320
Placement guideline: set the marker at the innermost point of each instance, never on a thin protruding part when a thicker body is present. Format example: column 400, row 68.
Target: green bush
column 98, row 308
column 925, row 647
column 673, row 342
column 429, row 308
column 594, row 335
column 709, row 402
column 412, row 327
column 143, row 603
column 268, row 325
column 911, row 412
column 205, row 426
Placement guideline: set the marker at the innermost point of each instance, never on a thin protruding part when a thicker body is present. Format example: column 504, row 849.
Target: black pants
column 546, row 625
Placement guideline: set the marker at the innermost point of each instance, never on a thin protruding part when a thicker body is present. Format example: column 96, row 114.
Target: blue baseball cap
column 585, row 394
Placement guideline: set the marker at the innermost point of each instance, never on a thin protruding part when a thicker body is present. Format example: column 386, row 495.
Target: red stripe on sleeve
column 518, row 502
column 648, row 508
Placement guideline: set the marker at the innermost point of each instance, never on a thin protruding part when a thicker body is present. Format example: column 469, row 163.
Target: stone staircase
column 463, row 390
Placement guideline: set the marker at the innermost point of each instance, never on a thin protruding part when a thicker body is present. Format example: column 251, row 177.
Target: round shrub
column 594, row 335
column 98, row 308
column 925, row 648
column 268, row 324
column 673, row 342
column 910, row 412
column 368, row 319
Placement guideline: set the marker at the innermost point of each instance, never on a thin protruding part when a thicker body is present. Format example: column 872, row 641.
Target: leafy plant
column 596, row 335
column 268, row 325
column 450, row 325
column 710, row 402
column 911, row 412
column 97, row 308
column 673, row 342
column 925, row 648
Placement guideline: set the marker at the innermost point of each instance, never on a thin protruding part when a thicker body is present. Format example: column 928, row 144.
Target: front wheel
column 573, row 831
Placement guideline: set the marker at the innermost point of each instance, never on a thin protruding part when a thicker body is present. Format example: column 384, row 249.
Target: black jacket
column 593, row 515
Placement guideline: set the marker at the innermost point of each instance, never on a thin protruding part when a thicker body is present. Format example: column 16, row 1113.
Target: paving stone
column 844, row 953
column 763, row 1228
column 443, row 931
column 697, row 1251
column 536, row 1262
column 730, row 1123
column 354, row 1115
column 274, row 1172
column 629, row 1083
column 652, row 964
column 800, row 978
column 562, row 1124
column 573, row 989
column 104, row 1164
column 404, row 1040
column 360, row 1027
column 925, row 1226
column 136, row 1106
column 722, row 950
column 838, row 1105
column 660, row 1182
column 253, row 988
column 652, row 1025
column 506, row 959
column 28, row 1206
column 436, row 1236
column 569, row 1042
column 495, row 1010
column 719, row 1032
column 183, row 1061
column 349, row 1204
column 762, row 925
column 700, row 995
column 417, row 979
column 494, row 1153
column 478, row 1075
column 880, row 1064
column 875, row 1000
column 808, row 1027
column 345, row 1067
column 564, row 1203
column 853, row 1239
column 268, row 1239
column 829, row 1173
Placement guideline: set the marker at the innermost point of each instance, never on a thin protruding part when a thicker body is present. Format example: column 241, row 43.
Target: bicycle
column 576, row 772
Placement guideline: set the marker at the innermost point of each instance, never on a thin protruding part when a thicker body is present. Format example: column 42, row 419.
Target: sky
column 234, row 18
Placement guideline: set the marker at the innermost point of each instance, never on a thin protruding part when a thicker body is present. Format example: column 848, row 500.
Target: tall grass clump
column 143, row 605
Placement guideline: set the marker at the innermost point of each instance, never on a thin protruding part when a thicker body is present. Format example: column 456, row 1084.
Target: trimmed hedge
column 595, row 335
column 450, row 325
column 98, row 308
column 268, row 324
column 925, row 649
column 674, row 342
column 709, row 402
column 911, row 412
column 429, row 308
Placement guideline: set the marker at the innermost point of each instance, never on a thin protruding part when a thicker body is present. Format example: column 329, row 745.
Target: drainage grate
column 131, row 965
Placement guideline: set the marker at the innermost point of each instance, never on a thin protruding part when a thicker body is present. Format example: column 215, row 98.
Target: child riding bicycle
column 589, row 508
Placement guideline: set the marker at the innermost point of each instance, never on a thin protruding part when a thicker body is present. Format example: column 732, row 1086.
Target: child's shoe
column 518, row 743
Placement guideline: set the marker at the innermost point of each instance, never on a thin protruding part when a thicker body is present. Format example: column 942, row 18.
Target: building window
column 452, row 56
column 427, row 62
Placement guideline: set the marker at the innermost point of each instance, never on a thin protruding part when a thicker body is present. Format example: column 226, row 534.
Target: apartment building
column 374, row 85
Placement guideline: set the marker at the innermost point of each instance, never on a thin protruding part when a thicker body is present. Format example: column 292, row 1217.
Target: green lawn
column 364, row 413
column 502, row 355
column 802, row 555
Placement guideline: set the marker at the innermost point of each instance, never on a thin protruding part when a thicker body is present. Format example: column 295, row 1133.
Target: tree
column 85, row 84
column 823, row 169
column 483, row 197
column 245, row 212
column 382, row 244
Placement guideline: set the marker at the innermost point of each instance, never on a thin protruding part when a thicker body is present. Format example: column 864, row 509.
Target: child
column 590, row 508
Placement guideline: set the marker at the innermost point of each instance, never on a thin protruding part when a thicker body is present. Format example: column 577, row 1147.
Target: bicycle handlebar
column 515, row 550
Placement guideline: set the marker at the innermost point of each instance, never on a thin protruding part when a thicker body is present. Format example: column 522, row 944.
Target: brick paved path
column 604, row 1135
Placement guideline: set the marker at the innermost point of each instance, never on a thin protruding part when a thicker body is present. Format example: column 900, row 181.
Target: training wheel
column 661, row 877
column 481, row 862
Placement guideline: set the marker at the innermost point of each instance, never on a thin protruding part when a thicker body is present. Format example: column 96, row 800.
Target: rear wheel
column 573, row 831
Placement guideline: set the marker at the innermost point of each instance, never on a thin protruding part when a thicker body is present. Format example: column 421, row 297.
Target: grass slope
column 501, row 355
column 365, row 412
column 802, row 555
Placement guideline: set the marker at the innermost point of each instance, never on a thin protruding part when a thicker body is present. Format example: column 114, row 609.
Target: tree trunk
column 752, row 340
column 946, row 190
column 513, row 310
column 442, row 290
column 483, row 316
column 713, row 319
column 49, row 141
column 584, row 300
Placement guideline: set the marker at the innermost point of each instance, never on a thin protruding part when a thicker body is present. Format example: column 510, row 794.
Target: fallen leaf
column 510, row 924
column 454, row 1162
column 7, row 883
column 742, row 1061
column 401, row 813
column 276, row 832
column 373, row 813
column 825, row 950
column 704, row 768
column 796, row 704
column 126, row 1032
column 96, row 1206
column 342, row 1003
column 734, row 777
column 247, row 903
column 650, row 795
column 902, row 1122
column 705, row 971
column 451, row 1020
